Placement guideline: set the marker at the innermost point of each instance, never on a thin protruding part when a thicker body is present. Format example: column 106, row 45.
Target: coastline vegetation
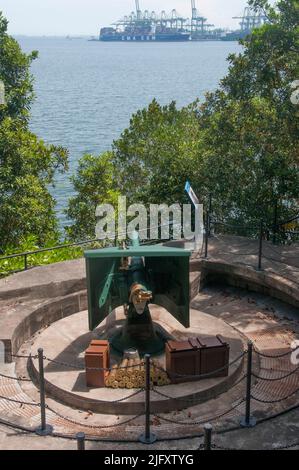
column 240, row 145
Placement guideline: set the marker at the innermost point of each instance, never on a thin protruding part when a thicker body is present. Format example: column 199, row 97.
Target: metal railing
column 261, row 231
column 26, row 254
column 265, row 243
column 248, row 420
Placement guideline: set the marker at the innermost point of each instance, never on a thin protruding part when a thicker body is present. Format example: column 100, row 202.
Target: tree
column 240, row 145
column 15, row 74
column 149, row 163
column 27, row 164
column 155, row 156
column 250, row 126
column 93, row 183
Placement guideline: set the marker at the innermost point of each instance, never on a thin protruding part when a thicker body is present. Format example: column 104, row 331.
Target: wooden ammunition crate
column 214, row 355
column 101, row 342
column 182, row 358
column 97, row 356
column 196, row 357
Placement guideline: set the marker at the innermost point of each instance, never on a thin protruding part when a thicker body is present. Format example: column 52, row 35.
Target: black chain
column 13, row 400
column 91, row 426
column 22, row 356
column 275, row 401
column 288, row 446
column 20, row 379
column 203, row 421
column 287, row 221
column 168, row 420
column 192, row 400
column 78, row 367
column 278, row 356
column 269, row 258
column 268, row 379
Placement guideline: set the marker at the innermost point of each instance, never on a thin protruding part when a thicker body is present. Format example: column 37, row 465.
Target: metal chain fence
column 45, row 429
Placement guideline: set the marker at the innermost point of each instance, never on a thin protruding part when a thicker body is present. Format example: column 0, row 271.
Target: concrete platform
column 66, row 340
column 270, row 324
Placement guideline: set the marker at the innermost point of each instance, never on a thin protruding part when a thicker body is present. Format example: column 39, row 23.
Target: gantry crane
column 199, row 25
column 251, row 19
column 139, row 20
column 138, row 11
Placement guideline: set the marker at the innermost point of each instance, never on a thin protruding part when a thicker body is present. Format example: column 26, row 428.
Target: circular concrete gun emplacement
column 47, row 307
column 66, row 340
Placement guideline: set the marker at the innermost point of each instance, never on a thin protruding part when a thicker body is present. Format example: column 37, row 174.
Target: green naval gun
column 135, row 277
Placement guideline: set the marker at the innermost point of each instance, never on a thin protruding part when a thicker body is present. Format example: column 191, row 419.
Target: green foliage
column 95, row 184
column 255, row 166
column 150, row 162
column 15, row 73
column 27, row 167
column 27, row 164
column 157, row 153
column 47, row 257
column 269, row 62
column 240, row 145
column 250, row 127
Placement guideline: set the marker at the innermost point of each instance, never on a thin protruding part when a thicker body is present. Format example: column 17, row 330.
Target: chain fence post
column 25, row 262
column 210, row 212
column 275, row 223
column 248, row 421
column 80, row 436
column 44, row 429
column 261, row 245
column 207, row 235
column 208, row 436
column 147, row 437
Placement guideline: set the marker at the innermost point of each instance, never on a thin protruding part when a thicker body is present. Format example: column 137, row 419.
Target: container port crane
column 250, row 20
column 144, row 25
column 200, row 30
column 138, row 11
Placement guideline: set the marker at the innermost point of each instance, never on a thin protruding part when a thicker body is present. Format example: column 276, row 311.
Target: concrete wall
column 27, row 319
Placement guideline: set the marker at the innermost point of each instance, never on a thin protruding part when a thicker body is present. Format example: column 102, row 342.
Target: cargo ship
column 111, row 34
column 235, row 36
column 146, row 26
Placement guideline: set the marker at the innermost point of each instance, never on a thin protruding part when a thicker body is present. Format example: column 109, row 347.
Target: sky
column 86, row 17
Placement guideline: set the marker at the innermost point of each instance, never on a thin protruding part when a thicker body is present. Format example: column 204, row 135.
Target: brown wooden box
column 102, row 342
column 182, row 358
column 195, row 357
column 97, row 356
column 214, row 355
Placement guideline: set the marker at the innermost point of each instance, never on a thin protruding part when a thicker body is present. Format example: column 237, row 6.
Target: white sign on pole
column 198, row 216
column 191, row 194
